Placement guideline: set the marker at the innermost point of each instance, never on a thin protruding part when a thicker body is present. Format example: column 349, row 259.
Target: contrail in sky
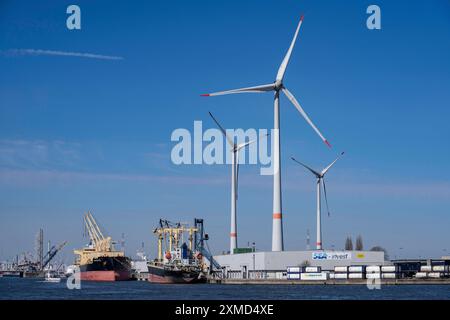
column 39, row 52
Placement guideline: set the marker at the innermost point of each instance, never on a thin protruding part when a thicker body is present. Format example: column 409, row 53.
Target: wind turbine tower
column 235, row 148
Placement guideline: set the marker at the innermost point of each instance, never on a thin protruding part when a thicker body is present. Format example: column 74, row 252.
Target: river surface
column 22, row 288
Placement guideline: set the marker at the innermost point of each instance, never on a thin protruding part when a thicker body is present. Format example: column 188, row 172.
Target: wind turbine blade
column 244, row 144
column 303, row 113
column 304, row 165
column 287, row 57
column 325, row 193
column 230, row 141
column 255, row 89
column 331, row 164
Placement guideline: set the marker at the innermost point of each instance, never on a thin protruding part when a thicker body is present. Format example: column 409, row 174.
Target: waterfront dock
column 409, row 281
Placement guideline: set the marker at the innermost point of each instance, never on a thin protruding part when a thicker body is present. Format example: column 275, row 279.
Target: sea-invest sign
column 331, row 255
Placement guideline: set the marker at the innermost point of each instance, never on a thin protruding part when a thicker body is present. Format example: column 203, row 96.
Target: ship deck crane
column 199, row 238
column 98, row 240
column 174, row 233
column 100, row 245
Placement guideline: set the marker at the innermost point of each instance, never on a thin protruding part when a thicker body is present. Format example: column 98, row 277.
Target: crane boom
column 98, row 240
column 92, row 234
column 52, row 253
column 96, row 227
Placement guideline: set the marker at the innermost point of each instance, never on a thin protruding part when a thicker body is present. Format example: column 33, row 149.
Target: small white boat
column 51, row 277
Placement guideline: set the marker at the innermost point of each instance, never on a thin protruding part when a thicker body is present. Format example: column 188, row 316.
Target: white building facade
column 273, row 264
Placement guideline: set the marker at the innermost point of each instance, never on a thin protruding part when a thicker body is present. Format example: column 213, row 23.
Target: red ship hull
column 105, row 276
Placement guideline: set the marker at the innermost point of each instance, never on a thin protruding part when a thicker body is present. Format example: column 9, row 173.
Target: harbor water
column 35, row 289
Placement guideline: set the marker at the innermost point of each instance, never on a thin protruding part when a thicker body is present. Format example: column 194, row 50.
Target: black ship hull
column 159, row 274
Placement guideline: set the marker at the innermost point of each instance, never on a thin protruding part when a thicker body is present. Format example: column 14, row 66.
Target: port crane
column 173, row 234
column 28, row 264
column 52, row 253
column 200, row 239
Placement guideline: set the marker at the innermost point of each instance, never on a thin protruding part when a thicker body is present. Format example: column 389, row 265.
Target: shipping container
column 356, row 269
column 425, row 268
column 434, row 275
column 314, row 276
column 373, row 269
column 312, row 269
column 373, row 275
column 388, row 268
column 242, row 250
column 421, row 275
column 340, row 276
column 340, row 269
column 355, row 276
column 439, row 268
column 294, row 269
column 293, row 276
column 389, row 275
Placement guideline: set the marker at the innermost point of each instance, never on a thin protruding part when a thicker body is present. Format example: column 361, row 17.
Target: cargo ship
column 99, row 261
column 181, row 262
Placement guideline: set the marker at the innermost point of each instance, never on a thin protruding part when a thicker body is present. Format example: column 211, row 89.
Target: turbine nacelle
column 320, row 175
column 278, row 85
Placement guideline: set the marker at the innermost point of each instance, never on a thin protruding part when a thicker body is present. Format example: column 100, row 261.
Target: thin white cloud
column 375, row 188
column 39, row 52
column 39, row 178
column 38, row 154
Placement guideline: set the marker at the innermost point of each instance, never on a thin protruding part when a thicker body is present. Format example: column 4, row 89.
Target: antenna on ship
column 122, row 242
column 308, row 240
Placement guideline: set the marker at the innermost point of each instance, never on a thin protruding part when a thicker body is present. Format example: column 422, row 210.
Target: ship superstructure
column 100, row 261
column 180, row 257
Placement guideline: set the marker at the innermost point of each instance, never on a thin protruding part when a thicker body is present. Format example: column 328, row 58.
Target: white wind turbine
column 277, row 86
column 235, row 148
column 320, row 180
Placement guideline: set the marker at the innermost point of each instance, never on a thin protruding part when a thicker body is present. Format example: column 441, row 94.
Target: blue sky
column 80, row 133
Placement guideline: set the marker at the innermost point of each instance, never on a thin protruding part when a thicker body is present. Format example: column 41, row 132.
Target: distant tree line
column 359, row 246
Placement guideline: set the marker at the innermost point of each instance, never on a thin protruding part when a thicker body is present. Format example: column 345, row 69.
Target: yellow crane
column 98, row 240
column 174, row 233
column 100, row 246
